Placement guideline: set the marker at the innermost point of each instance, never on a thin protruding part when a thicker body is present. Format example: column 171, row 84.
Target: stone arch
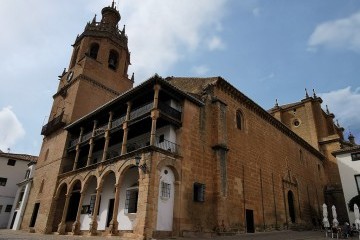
column 61, row 185
column 93, row 50
column 73, row 183
column 60, row 199
column 172, row 164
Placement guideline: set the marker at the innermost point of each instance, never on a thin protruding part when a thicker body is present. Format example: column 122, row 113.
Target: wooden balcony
column 53, row 125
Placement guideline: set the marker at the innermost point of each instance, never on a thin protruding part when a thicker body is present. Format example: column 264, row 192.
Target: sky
column 267, row 49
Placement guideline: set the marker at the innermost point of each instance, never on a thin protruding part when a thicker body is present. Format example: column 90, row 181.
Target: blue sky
column 267, row 49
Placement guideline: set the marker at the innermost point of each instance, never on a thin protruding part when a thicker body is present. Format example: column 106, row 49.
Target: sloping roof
column 24, row 157
column 138, row 90
column 192, row 85
column 199, row 85
column 347, row 150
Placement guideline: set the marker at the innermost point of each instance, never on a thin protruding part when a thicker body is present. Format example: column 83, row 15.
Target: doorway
column 250, row 228
column 34, row 215
column 291, row 206
column 110, row 212
column 13, row 220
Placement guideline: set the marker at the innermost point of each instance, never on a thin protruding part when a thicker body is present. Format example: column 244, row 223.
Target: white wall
column 166, row 205
column 126, row 220
column 85, row 219
column 348, row 169
column 107, row 194
column 14, row 175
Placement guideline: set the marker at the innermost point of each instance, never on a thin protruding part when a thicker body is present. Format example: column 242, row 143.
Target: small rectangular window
column 1, row 208
column 3, row 181
column 161, row 138
column 8, row 208
column 11, row 162
column 355, row 156
column 199, row 192
column 357, row 180
column 165, row 190
column 131, row 200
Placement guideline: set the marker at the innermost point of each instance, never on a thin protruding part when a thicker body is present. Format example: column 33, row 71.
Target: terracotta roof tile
column 24, row 157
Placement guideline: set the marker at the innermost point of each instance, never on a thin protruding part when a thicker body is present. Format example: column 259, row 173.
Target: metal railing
column 167, row 145
column 141, row 110
column 172, row 112
column 140, row 143
column 53, row 125
column 117, row 122
column 100, row 130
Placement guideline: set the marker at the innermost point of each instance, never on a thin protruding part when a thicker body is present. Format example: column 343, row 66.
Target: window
column 46, row 155
column 355, row 156
column 113, row 59
column 161, row 138
column 41, row 186
column 165, row 190
column 239, row 120
column 357, row 180
column 27, row 174
column 11, row 162
column 3, row 181
column 94, row 48
column 1, row 208
column 8, row 208
column 131, row 200
column 199, row 192
column 92, row 204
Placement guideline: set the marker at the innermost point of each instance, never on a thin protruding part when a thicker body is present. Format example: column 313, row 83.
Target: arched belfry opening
column 113, row 59
column 94, row 49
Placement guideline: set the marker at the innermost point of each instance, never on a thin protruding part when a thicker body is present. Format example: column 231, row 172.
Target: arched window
column 113, row 59
column 239, row 120
column 74, row 57
column 94, row 49
column 46, row 155
column 41, row 186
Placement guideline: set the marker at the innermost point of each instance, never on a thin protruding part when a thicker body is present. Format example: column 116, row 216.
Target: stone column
column 126, row 129
column 91, row 145
column 94, row 223
column 76, row 225
column 107, row 137
column 114, row 223
column 62, row 225
column 78, row 149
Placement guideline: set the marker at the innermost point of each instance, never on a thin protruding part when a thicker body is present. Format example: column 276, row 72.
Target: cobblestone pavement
column 276, row 235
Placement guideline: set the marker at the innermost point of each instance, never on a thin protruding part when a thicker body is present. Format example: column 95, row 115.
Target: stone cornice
column 223, row 85
column 86, row 78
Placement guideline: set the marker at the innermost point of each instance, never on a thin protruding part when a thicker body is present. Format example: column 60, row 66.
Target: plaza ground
column 282, row 235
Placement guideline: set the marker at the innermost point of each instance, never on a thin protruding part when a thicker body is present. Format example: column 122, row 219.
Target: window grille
column 131, row 200
column 165, row 190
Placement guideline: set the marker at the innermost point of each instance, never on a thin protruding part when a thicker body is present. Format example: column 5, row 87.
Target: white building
column 348, row 160
column 13, row 170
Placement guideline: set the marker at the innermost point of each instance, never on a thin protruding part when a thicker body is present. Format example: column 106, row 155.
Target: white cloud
column 215, row 43
column 11, row 129
column 161, row 33
column 344, row 103
column 267, row 77
column 201, row 70
column 256, row 12
column 338, row 34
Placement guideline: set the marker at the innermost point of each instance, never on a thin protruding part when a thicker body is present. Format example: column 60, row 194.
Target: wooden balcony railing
column 53, row 125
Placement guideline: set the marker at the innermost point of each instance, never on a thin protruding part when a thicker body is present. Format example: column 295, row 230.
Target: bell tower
column 98, row 67
column 97, row 73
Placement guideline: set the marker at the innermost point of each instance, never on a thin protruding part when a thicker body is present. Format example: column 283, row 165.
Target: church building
column 174, row 156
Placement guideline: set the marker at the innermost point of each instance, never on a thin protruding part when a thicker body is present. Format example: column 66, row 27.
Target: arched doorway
column 73, row 205
column 166, row 198
column 291, row 206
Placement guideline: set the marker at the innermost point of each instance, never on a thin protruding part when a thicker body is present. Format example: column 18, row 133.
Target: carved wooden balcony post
column 107, row 137
column 91, row 145
column 126, row 129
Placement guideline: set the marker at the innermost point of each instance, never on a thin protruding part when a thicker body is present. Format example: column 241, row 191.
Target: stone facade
column 235, row 167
